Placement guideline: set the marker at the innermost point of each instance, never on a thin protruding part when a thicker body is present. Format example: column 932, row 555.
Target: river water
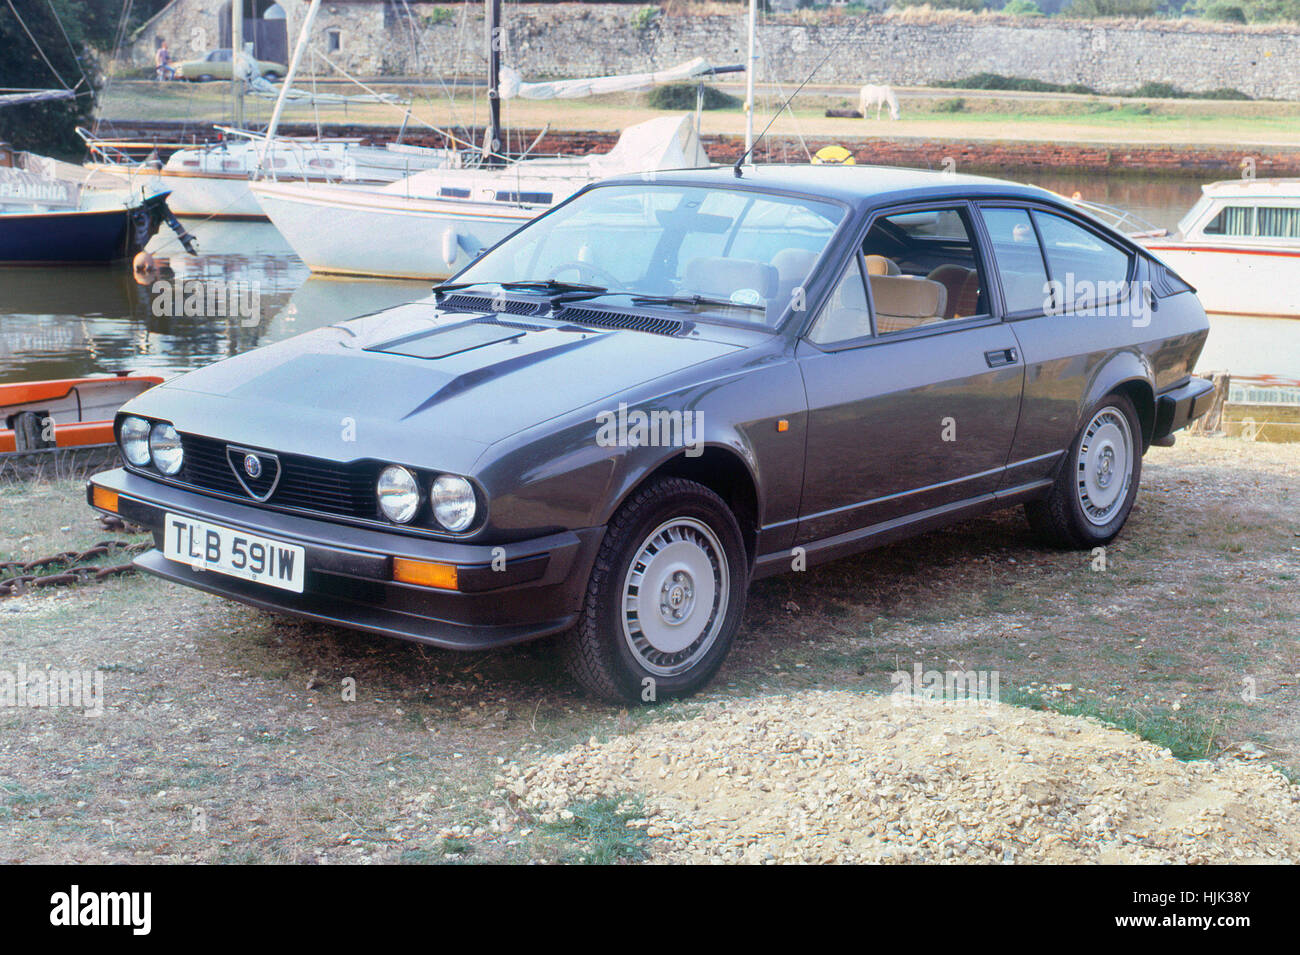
column 62, row 323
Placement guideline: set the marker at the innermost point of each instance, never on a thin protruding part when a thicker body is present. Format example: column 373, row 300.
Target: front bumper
column 507, row 593
column 1180, row 406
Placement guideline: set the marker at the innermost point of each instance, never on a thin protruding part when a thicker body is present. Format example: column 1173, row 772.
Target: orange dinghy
column 81, row 411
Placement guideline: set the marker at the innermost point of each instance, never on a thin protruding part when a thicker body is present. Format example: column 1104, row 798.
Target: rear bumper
column 1180, row 406
column 507, row 594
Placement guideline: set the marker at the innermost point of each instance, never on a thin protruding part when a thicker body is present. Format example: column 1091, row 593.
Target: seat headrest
column 903, row 301
column 793, row 265
column 720, row 276
column 879, row 265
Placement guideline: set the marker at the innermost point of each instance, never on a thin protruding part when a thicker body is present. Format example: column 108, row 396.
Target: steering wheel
column 587, row 273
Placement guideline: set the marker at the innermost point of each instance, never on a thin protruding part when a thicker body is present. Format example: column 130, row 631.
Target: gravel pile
column 842, row 777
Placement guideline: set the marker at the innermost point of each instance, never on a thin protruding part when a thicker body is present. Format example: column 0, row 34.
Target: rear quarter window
column 1085, row 269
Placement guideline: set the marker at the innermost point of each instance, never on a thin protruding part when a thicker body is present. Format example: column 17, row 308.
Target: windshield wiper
column 695, row 301
column 543, row 285
column 552, row 285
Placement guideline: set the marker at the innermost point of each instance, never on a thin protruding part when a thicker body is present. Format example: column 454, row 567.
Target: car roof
column 855, row 185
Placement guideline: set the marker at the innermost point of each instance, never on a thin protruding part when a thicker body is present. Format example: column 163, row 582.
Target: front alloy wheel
column 665, row 597
column 675, row 596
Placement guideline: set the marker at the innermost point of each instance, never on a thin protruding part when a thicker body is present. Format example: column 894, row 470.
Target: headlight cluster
column 144, row 444
column 451, row 498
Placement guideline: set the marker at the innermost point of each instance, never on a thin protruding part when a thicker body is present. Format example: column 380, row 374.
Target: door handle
column 1001, row 356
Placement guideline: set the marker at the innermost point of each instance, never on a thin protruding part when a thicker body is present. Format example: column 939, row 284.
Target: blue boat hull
column 98, row 237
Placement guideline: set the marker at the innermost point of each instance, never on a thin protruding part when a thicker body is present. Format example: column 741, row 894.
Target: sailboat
column 54, row 213
column 429, row 225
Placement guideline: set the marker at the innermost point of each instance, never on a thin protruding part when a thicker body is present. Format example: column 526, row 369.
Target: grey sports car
column 612, row 421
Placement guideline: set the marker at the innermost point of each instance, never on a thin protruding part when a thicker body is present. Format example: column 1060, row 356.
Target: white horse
column 882, row 96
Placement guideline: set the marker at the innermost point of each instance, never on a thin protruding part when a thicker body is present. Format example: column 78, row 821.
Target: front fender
column 576, row 472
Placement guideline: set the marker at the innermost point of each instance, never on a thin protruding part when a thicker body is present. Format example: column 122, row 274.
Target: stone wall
column 916, row 48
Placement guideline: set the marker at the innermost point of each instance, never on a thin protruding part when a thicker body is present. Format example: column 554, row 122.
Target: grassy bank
column 229, row 734
column 926, row 113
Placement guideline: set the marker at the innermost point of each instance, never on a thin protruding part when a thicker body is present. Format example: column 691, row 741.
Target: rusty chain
column 16, row 576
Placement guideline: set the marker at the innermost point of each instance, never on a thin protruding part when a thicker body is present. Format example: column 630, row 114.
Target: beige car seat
column 904, row 302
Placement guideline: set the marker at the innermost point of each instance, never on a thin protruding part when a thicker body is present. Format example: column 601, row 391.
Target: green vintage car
column 217, row 66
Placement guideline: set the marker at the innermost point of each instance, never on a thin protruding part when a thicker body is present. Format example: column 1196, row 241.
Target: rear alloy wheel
column 1096, row 488
column 665, row 598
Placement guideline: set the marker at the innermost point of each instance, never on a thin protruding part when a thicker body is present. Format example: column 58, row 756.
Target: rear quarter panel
column 1073, row 361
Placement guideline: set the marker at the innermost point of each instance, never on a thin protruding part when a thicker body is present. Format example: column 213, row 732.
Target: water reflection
column 68, row 322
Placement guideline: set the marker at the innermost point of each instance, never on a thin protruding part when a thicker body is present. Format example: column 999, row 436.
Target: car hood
column 417, row 385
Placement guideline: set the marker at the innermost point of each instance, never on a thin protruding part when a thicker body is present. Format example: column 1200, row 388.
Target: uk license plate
column 223, row 550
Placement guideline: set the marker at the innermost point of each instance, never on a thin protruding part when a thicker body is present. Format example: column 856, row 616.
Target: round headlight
column 134, row 439
column 165, row 444
column 399, row 494
column 453, row 502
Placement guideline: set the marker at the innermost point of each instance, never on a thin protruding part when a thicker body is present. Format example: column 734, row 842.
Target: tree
column 1092, row 9
column 55, row 55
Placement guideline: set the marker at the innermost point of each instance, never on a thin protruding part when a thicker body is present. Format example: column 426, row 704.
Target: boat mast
column 496, row 39
column 236, row 48
column 749, row 78
column 299, row 48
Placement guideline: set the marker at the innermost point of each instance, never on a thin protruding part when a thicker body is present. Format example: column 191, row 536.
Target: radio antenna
column 745, row 155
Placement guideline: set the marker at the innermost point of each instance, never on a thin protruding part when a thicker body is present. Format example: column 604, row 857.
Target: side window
column 923, row 268
column 1232, row 220
column 1086, row 270
column 845, row 315
column 1019, row 260
column 1281, row 222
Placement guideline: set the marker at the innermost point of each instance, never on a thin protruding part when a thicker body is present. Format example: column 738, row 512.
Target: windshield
column 731, row 254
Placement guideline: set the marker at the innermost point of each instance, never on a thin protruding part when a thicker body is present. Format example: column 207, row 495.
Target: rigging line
column 76, row 58
column 39, row 50
column 119, row 37
column 418, row 46
column 437, row 129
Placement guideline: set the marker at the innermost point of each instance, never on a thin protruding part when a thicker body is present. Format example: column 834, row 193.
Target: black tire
column 1062, row 519
column 28, row 429
column 610, row 652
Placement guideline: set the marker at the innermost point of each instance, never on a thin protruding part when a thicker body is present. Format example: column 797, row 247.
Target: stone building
column 906, row 48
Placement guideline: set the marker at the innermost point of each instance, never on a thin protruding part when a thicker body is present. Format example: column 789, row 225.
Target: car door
column 1068, row 294
column 912, row 401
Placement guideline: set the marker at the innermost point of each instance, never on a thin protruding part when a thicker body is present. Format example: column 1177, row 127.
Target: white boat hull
column 355, row 231
column 201, row 189
column 193, row 195
column 1238, row 281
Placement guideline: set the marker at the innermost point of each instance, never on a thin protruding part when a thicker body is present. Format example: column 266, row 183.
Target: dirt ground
column 229, row 735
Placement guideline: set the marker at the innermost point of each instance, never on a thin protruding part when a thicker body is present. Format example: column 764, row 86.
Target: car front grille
column 308, row 484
